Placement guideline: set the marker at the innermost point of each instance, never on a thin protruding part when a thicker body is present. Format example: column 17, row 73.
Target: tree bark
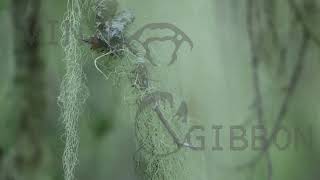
column 28, row 87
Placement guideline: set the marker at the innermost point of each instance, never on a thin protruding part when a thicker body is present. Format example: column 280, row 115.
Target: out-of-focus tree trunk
column 28, row 91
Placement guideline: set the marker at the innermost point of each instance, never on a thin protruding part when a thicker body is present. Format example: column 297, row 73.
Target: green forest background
column 217, row 79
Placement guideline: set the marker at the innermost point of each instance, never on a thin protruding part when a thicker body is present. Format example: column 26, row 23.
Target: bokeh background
column 216, row 78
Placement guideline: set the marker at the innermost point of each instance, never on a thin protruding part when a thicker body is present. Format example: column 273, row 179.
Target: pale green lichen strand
column 73, row 89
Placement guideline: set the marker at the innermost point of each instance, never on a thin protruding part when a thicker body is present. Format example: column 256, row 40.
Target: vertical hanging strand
column 73, row 89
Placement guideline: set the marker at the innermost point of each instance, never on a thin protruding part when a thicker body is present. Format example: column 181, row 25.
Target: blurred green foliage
column 215, row 80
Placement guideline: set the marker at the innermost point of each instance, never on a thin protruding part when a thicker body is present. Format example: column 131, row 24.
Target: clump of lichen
column 159, row 156
column 159, row 134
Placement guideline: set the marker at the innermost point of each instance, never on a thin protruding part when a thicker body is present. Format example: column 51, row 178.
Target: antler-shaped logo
column 178, row 38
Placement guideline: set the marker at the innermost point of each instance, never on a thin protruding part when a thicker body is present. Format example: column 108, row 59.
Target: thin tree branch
column 304, row 24
column 290, row 90
column 255, row 74
column 285, row 104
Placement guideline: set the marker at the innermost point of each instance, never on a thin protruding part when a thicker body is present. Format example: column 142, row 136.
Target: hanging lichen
column 73, row 89
column 158, row 125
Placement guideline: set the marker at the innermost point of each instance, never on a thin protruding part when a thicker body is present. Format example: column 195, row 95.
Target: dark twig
column 269, row 11
column 304, row 24
column 307, row 35
column 290, row 90
column 285, row 104
column 255, row 74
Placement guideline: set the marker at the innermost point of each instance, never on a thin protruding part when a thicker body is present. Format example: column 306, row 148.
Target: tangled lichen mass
column 159, row 143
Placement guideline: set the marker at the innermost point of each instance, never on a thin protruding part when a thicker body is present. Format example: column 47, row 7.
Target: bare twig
column 285, row 104
column 304, row 24
column 290, row 89
column 255, row 73
column 269, row 11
